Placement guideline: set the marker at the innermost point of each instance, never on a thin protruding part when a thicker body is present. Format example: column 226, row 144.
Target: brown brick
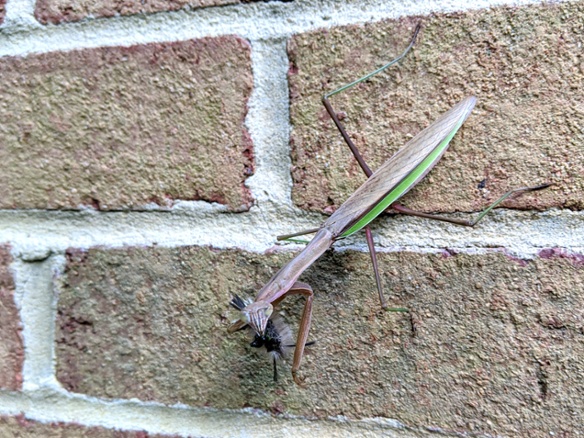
column 60, row 11
column 19, row 426
column 122, row 127
column 2, row 10
column 11, row 347
column 493, row 344
column 523, row 66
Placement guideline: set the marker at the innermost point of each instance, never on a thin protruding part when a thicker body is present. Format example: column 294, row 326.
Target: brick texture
column 492, row 344
column 60, row 11
column 19, row 426
column 11, row 347
column 2, row 10
column 523, row 66
column 123, row 127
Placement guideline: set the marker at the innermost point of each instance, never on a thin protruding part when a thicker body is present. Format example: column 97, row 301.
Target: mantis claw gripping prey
column 382, row 189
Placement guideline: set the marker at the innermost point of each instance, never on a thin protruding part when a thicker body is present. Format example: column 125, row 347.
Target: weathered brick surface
column 522, row 64
column 59, row 11
column 493, row 344
column 19, row 426
column 11, row 348
column 2, row 10
column 122, row 127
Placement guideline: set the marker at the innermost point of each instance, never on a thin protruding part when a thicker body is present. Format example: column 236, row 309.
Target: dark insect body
column 277, row 338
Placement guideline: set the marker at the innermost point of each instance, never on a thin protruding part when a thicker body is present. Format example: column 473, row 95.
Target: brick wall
column 151, row 153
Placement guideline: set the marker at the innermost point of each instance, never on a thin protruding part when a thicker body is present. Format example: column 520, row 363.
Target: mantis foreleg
column 304, row 328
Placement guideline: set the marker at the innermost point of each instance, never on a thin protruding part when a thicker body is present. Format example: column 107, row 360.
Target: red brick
column 492, row 344
column 19, row 426
column 2, row 10
column 122, row 127
column 526, row 129
column 60, row 11
column 11, row 347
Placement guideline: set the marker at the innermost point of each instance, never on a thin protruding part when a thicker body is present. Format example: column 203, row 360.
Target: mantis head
column 256, row 315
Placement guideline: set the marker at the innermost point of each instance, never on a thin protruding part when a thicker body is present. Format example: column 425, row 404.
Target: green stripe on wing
column 405, row 185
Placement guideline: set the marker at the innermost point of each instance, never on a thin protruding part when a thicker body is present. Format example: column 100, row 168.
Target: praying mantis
column 381, row 191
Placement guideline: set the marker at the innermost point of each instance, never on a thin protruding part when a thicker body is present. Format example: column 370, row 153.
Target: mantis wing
column 400, row 173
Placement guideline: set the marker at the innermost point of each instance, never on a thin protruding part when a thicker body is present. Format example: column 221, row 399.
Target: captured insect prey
column 277, row 338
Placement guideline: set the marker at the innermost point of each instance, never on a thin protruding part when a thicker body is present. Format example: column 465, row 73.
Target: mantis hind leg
column 404, row 210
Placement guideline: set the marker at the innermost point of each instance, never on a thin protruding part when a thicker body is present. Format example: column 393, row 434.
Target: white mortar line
column 254, row 21
column 36, row 299
column 54, row 406
column 268, row 123
column 522, row 233
column 20, row 14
